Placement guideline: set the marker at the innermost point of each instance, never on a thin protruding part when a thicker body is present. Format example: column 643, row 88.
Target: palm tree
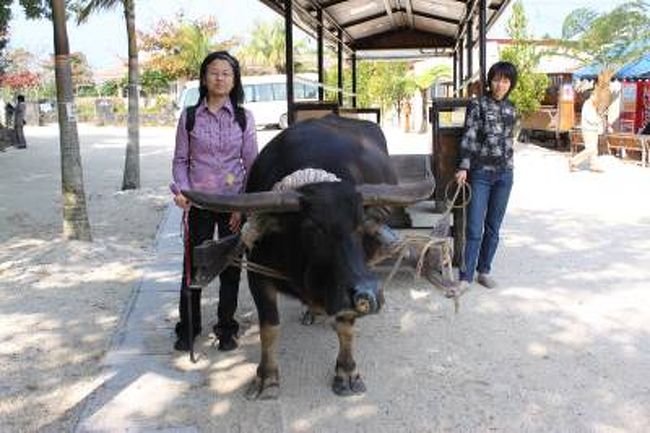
column 267, row 47
column 608, row 39
column 423, row 82
column 131, row 179
column 193, row 45
column 75, row 216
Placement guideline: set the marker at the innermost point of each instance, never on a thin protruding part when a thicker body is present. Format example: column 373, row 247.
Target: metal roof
column 434, row 25
column 638, row 69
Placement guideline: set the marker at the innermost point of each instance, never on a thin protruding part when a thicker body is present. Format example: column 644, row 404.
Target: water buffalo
column 315, row 196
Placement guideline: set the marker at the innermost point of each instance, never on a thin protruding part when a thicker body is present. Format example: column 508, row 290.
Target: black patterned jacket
column 488, row 138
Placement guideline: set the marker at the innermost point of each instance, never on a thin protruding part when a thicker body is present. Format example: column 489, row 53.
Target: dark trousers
column 485, row 212
column 201, row 224
column 20, row 138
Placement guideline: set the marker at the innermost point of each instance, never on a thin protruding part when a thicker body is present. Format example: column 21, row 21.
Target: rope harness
column 437, row 239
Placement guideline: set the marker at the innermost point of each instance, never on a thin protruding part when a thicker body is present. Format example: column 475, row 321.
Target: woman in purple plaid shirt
column 215, row 156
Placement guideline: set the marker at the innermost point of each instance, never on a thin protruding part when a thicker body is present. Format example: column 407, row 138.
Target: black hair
column 20, row 98
column 504, row 69
column 237, row 92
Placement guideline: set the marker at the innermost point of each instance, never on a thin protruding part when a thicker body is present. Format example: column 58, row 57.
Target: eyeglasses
column 224, row 74
column 501, row 79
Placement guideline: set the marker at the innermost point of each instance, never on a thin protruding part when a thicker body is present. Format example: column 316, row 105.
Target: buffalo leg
column 266, row 384
column 347, row 380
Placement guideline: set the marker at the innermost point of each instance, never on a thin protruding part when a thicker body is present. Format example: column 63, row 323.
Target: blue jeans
column 485, row 211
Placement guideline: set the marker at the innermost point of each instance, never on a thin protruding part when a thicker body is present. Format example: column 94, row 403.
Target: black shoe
column 227, row 343
column 182, row 345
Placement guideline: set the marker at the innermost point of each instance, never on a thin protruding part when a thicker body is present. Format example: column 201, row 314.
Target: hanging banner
column 642, row 105
column 628, row 107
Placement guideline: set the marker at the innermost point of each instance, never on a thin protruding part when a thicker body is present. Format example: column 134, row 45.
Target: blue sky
column 103, row 37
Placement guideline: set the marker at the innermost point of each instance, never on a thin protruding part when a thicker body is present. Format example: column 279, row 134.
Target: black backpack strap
column 240, row 117
column 190, row 118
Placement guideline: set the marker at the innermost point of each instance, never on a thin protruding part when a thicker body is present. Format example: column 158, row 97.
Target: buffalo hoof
column 347, row 386
column 263, row 389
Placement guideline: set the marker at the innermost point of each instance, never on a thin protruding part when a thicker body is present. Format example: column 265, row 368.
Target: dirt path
column 562, row 345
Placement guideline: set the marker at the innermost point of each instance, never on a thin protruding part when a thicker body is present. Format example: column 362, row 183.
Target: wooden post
column 288, row 35
column 482, row 49
column 321, row 66
column 354, row 79
column 455, row 79
column 470, row 23
column 340, row 67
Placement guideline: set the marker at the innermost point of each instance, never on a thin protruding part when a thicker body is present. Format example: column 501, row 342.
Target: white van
column 264, row 95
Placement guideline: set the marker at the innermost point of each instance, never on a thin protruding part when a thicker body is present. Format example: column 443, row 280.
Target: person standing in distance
column 592, row 127
column 214, row 156
column 486, row 163
column 19, row 122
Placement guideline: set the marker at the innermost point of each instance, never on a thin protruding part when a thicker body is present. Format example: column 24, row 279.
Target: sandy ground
column 562, row 345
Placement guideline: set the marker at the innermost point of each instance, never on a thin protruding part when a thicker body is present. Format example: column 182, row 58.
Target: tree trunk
column 398, row 108
column 425, row 116
column 75, row 215
column 131, row 179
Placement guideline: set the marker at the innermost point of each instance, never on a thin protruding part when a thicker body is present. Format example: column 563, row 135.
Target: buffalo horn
column 266, row 201
column 396, row 195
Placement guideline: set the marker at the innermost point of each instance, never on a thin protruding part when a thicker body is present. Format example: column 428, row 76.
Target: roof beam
column 317, row 6
column 404, row 39
column 436, row 17
column 364, row 20
column 389, row 12
column 330, row 3
column 409, row 14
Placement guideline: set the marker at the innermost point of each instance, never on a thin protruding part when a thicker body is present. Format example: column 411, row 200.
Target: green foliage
column 531, row 86
column 176, row 47
column 161, row 104
column 38, row 8
column 382, row 83
column 88, row 90
column 110, row 88
column 425, row 79
column 47, row 89
column 85, row 8
column 5, row 16
column 609, row 39
column 32, row 8
column 154, row 82
column 85, row 109
column 266, row 48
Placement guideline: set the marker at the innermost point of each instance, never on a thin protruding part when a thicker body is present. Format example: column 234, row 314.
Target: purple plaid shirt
column 218, row 156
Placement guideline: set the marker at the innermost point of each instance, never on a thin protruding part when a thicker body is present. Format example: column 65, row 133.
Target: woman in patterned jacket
column 486, row 163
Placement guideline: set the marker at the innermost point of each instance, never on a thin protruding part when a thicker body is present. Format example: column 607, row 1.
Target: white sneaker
column 486, row 281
